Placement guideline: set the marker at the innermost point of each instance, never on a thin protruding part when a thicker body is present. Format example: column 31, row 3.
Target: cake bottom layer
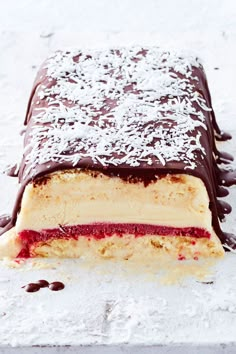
column 129, row 247
column 116, row 247
column 114, row 241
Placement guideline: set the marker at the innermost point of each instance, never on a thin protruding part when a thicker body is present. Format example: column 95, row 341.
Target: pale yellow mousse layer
column 76, row 197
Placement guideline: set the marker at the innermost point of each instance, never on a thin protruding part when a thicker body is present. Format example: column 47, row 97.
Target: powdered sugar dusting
column 125, row 106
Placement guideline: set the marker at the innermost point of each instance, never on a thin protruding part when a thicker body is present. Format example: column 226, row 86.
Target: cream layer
column 76, row 197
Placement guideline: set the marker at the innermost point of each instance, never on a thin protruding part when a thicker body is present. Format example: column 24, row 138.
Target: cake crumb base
column 130, row 247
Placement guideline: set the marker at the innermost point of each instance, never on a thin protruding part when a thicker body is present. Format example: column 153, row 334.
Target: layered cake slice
column 120, row 159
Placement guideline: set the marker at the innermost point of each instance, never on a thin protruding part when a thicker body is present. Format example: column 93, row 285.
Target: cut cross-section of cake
column 120, row 159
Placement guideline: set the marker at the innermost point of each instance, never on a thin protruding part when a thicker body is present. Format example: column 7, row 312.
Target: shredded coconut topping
column 126, row 106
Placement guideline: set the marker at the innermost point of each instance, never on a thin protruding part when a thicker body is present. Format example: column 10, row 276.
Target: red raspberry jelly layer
column 102, row 230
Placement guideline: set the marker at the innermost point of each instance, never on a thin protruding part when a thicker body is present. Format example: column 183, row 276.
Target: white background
column 29, row 31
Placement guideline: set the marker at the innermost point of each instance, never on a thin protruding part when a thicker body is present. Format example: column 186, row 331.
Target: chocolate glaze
column 224, row 158
column 223, row 136
column 231, row 240
column 12, row 171
column 227, row 178
column 207, row 168
column 222, row 192
column 4, row 220
column 223, row 208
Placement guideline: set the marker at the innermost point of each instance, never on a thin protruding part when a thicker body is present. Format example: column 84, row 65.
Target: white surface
column 113, row 305
column 143, row 312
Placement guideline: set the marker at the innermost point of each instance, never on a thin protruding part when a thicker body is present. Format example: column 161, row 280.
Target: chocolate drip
column 228, row 178
column 207, row 167
column 222, row 192
column 12, row 171
column 223, row 208
column 4, row 220
column 230, row 240
column 221, row 161
column 223, row 136
column 224, row 157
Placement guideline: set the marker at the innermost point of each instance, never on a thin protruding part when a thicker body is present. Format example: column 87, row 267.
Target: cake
column 120, row 159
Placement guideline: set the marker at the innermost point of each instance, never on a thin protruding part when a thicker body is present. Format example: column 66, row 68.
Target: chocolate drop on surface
column 42, row 283
column 56, row 285
column 31, row 287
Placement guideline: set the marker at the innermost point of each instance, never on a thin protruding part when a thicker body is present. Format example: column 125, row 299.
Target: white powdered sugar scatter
column 124, row 106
